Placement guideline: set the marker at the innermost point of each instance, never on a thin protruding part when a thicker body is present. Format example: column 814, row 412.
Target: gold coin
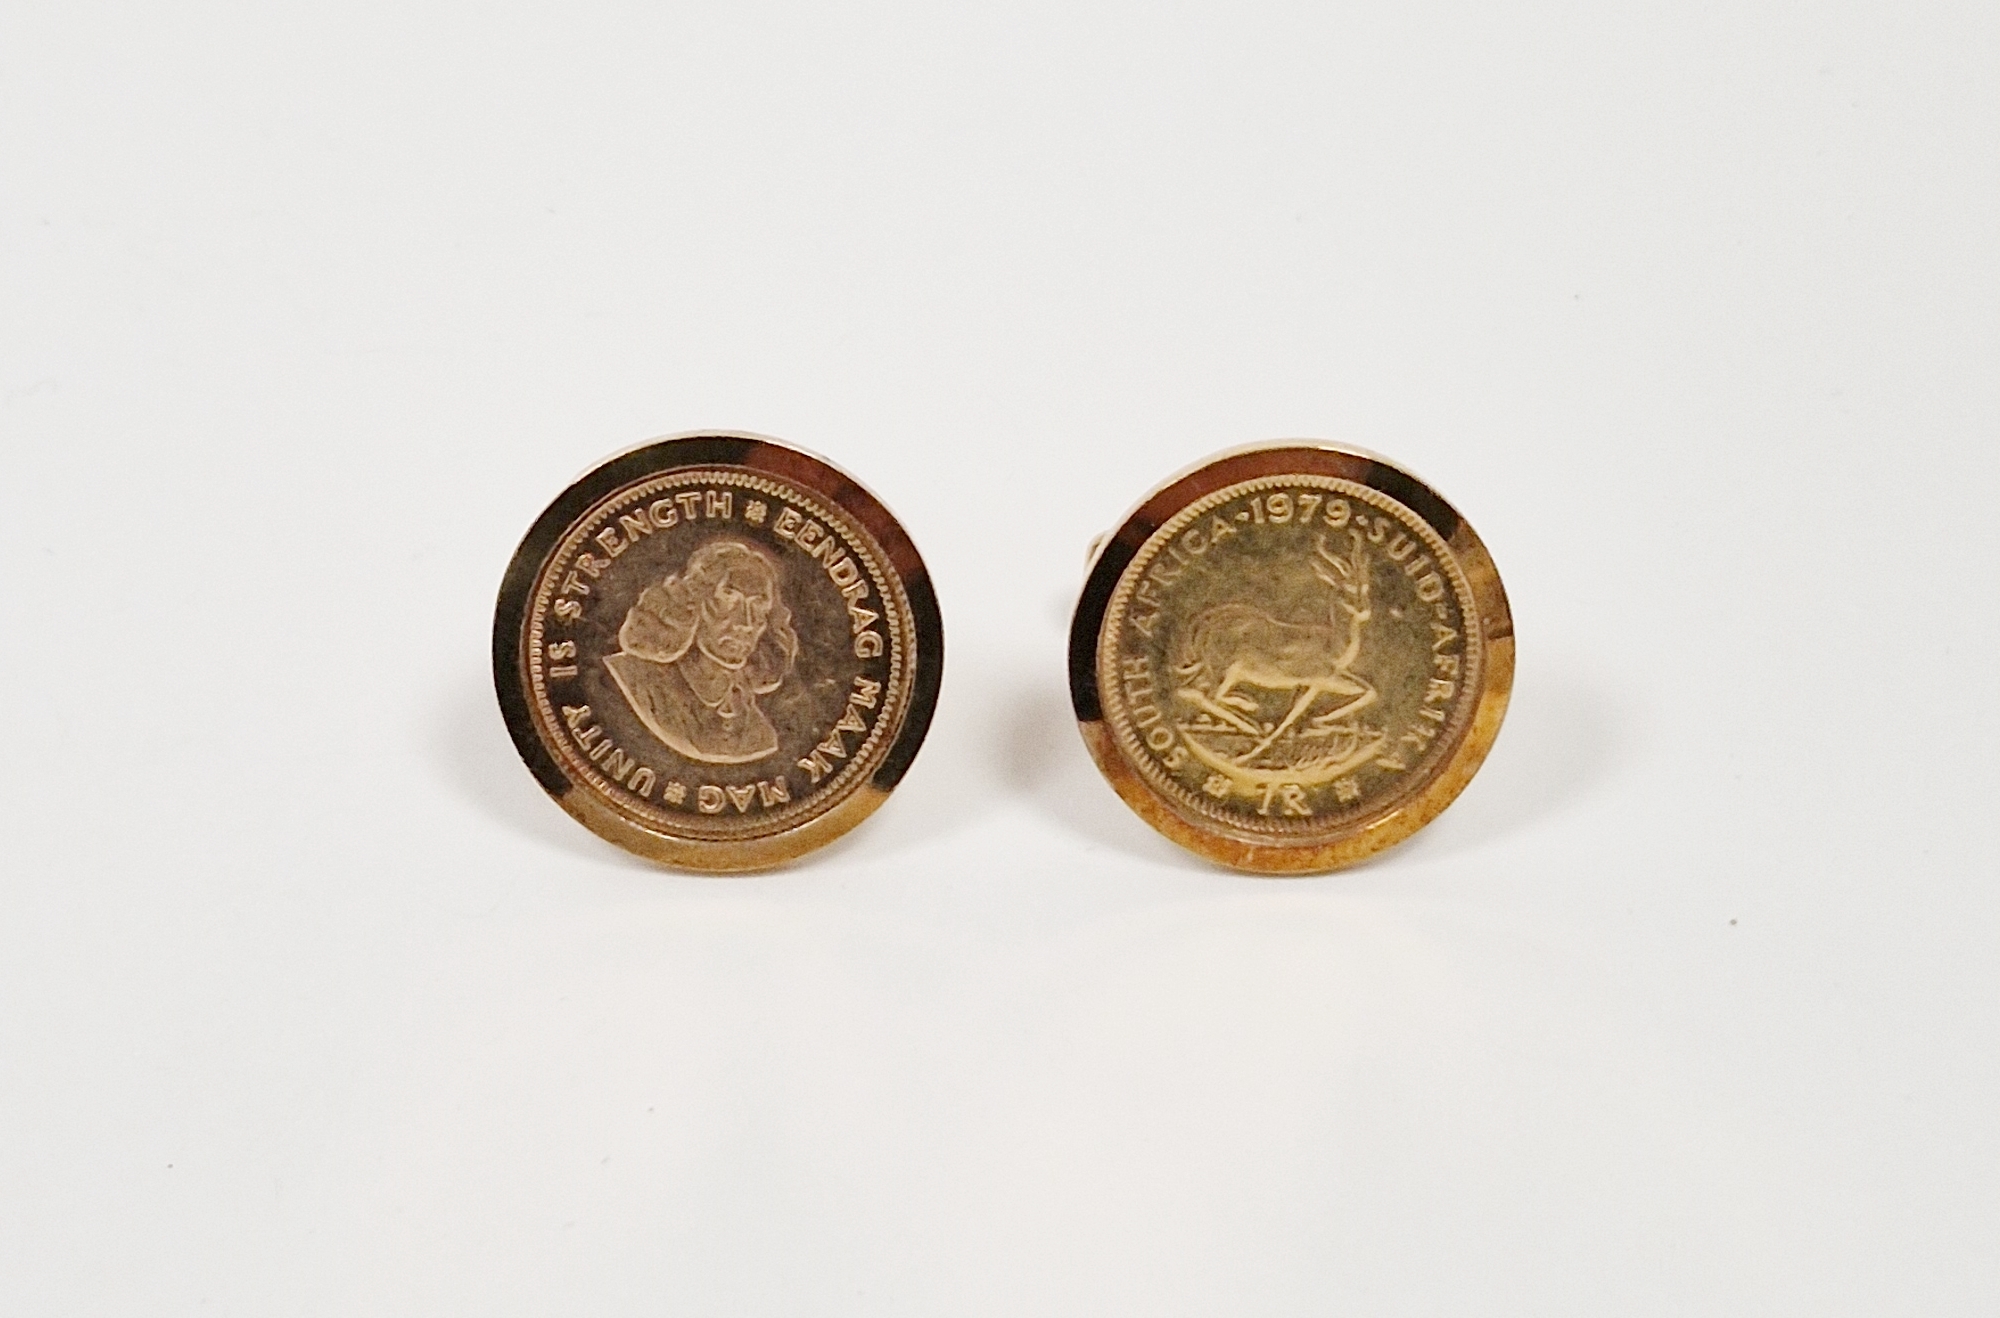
column 717, row 651
column 1291, row 656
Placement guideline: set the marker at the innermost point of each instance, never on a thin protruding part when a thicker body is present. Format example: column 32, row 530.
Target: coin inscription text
column 1288, row 655
column 716, row 654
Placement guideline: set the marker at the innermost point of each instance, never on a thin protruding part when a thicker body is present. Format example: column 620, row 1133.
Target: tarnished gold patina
column 717, row 651
column 1291, row 656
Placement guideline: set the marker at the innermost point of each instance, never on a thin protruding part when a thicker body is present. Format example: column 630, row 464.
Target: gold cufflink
column 1291, row 656
column 717, row 651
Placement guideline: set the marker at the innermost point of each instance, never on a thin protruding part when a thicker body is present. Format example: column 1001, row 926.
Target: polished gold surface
column 717, row 651
column 1291, row 656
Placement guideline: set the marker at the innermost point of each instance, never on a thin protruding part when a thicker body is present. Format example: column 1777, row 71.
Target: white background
column 311, row 1003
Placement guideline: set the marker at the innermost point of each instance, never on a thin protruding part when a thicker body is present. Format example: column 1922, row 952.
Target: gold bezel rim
column 1372, row 834
column 770, row 457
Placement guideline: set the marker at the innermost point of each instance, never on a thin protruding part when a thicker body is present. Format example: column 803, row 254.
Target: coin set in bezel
column 720, row 652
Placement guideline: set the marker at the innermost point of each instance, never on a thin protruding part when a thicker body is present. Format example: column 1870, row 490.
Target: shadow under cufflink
column 944, row 792
column 470, row 748
column 1044, row 759
column 1561, row 741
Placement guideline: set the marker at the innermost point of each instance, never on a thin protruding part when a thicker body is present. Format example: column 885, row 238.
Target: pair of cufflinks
column 720, row 652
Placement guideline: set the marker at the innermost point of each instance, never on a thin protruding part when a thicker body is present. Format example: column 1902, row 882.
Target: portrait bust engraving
column 700, row 646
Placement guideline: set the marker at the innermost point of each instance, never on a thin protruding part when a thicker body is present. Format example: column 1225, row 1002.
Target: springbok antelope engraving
column 1238, row 645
